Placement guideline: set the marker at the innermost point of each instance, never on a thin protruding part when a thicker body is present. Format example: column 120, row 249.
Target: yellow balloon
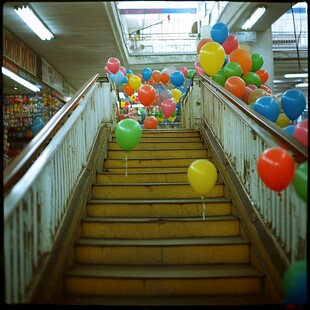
column 160, row 120
column 202, row 175
column 135, row 82
column 176, row 94
column 211, row 57
column 171, row 118
column 282, row 120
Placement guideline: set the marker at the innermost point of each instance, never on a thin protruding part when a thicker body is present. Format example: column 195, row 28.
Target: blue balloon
column 125, row 80
column 177, row 78
column 146, row 73
column 128, row 71
column 293, row 103
column 119, row 77
column 290, row 129
column 268, row 107
column 111, row 76
column 37, row 125
column 219, row 32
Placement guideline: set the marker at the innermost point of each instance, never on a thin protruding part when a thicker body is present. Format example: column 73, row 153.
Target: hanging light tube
column 34, row 23
column 254, row 18
column 20, row 80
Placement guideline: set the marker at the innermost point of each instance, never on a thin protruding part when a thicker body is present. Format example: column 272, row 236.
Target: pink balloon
column 231, row 43
column 198, row 68
column 301, row 132
column 113, row 64
column 123, row 69
column 184, row 70
column 168, row 106
column 165, row 94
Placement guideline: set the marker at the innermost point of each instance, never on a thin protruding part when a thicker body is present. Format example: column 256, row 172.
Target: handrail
column 19, row 165
column 300, row 151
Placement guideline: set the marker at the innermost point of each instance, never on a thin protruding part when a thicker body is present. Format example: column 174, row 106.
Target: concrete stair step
column 153, row 228
column 150, row 190
column 184, row 251
column 155, row 280
column 167, row 143
column 158, row 207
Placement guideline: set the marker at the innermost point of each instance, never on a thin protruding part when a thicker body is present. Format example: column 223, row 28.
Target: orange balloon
column 235, row 85
column 128, row 90
column 255, row 94
column 151, row 81
column 243, row 58
column 165, row 77
column 146, row 94
column 263, row 75
column 156, row 75
column 150, row 122
column 201, row 43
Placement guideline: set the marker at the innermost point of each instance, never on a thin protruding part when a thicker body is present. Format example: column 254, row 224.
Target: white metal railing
column 242, row 141
column 289, row 40
column 35, row 207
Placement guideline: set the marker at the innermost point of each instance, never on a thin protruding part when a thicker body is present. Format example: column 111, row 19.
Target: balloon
column 230, row 44
column 219, row 77
column 282, row 120
column 246, row 94
column 198, row 68
column 301, row 132
column 202, row 175
column 184, row 70
column 165, row 78
column 257, row 62
column 156, row 75
column 235, row 85
column 201, row 43
column 266, row 88
column 113, row 64
column 128, row 90
column 290, row 129
column 135, row 82
column 219, row 32
column 300, row 181
column 268, row 107
column 211, row 57
column 191, row 73
column 232, row 69
column 243, row 58
column 150, row 122
column 168, row 106
column 37, row 126
column 177, row 78
column 119, row 77
column 252, row 78
column 146, row 94
column 169, row 70
column 263, row 75
column 165, row 94
column 128, row 133
column 276, row 167
column 252, row 86
column 295, row 283
column 255, row 94
column 176, row 94
column 146, row 73
column 293, row 103
column 123, row 69
column 125, row 80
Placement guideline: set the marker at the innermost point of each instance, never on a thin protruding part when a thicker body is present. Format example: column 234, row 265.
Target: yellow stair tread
column 163, row 242
column 161, row 201
column 165, row 272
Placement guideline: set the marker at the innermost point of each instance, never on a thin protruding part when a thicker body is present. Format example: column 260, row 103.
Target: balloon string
column 203, row 208
column 280, row 196
column 126, row 164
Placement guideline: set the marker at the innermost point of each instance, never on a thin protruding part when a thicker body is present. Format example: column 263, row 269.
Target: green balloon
column 219, row 77
column 300, row 181
column 128, row 134
column 232, row 69
column 257, row 62
column 190, row 73
column 252, row 78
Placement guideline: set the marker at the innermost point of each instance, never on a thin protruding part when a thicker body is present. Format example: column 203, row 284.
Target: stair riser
column 175, row 255
column 157, row 210
column 159, row 144
column 144, row 178
column 159, row 153
column 162, row 287
column 149, row 162
column 154, row 230
column 159, row 191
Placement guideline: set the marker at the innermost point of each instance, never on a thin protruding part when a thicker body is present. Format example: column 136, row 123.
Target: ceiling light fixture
column 34, row 23
column 20, row 80
column 300, row 85
column 295, row 75
column 254, row 18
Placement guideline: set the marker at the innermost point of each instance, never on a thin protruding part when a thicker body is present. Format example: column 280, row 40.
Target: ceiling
column 85, row 38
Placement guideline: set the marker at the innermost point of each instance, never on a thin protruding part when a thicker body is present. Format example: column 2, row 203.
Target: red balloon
column 146, row 94
column 276, row 168
column 301, row 132
column 165, row 78
column 235, row 85
column 150, row 122
column 266, row 88
column 263, row 75
column 113, row 64
column 168, row 106
column 184, row 71
column 231, row 43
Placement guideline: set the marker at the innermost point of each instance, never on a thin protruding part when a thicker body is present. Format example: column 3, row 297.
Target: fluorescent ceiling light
column 34, row 23
column 296, row 75
column 20, row 80
column 301, row 85
column 254, row 18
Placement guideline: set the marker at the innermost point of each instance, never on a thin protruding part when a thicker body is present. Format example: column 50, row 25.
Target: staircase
column 144, row 241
